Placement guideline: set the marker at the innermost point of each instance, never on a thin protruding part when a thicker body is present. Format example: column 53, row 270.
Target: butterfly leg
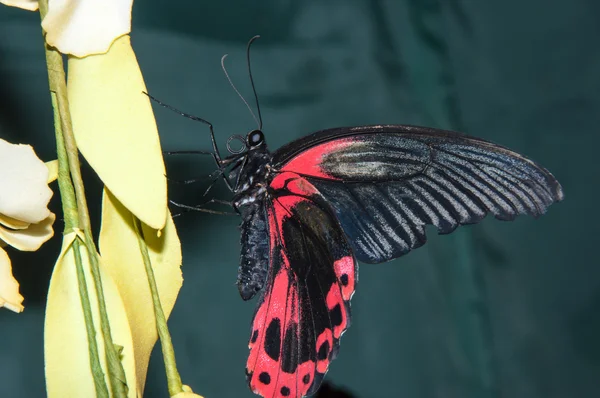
column 221, row 163
column 212, row 184
column 212, row 178
column 187, row 153
column 201, row 207
column 220, row 172
column 216, row 154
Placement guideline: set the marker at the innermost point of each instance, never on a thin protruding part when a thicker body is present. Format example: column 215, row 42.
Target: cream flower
column 115, row 131
column 25, row 221
column 109, row 112
column 79, row 27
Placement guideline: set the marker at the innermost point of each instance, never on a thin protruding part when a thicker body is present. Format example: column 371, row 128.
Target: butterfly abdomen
column 249, row 203
column 254, row 259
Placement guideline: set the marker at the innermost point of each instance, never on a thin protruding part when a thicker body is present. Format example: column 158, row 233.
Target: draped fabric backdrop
column 493, row 310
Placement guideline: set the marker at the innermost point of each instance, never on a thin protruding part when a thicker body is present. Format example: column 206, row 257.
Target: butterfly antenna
column 260, row 124
column 236, row 90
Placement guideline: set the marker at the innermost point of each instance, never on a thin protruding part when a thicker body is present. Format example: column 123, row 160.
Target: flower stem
column 67, row 195
column 173, row 377
column 57, row 82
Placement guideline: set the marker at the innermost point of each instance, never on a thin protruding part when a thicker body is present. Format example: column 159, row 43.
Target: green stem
column 57, row 81
column 67, row 195
column 173, row 378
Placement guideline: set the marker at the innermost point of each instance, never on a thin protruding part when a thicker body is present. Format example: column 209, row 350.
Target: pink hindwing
column 305, row 306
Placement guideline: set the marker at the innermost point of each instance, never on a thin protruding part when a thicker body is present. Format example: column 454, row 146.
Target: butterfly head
column 255, row 139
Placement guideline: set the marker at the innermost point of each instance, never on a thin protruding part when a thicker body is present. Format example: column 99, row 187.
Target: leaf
column 116, row 132
column 67, row 362
column 122, row 258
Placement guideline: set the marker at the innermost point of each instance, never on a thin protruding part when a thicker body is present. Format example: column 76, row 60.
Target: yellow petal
column 119, row 248
column 66, row 351
column 29, row 239
column 52, row 170
column 83, row 28
column 116, row 131
column 12, row 223
column 187, row 393
column 9, row 287
column 30, row 5
column 23, row 178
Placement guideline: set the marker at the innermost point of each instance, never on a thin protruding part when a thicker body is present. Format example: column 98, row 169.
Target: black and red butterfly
column 312, row 208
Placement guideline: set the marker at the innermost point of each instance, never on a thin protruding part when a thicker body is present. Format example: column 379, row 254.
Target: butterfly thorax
column 252, row 174
column 249, row 202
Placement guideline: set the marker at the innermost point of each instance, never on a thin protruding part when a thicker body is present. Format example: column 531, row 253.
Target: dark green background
column 493, row 310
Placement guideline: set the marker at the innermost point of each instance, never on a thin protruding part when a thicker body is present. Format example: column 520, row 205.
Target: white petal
column 9, row 287
column 29, row 239
column 23, row 183
column 84, row 27
column 11, row 223
column 30, row 5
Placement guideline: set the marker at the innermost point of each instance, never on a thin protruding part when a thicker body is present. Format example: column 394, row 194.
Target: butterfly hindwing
column 305, row 306
column 385, row 183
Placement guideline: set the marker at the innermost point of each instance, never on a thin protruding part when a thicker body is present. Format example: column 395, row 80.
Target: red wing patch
column 345, row 269
column 308, row 163
column 305, row 307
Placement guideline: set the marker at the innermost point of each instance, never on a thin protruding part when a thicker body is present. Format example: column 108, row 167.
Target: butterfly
column 312, row 208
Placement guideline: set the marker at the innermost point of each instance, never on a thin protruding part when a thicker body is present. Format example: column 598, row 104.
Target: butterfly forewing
column 385, row 183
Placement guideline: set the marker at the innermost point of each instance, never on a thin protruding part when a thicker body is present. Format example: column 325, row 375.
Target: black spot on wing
column 344, row 279
column 264, row 378
column 273, row 339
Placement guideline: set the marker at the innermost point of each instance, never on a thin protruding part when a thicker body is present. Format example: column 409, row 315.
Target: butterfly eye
column 255, row 138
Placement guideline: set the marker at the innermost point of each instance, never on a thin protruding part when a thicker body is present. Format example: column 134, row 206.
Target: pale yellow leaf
column 52, row 170
column 116, row 131
column 66, row 353
column 119, row 249
column 9, row 287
